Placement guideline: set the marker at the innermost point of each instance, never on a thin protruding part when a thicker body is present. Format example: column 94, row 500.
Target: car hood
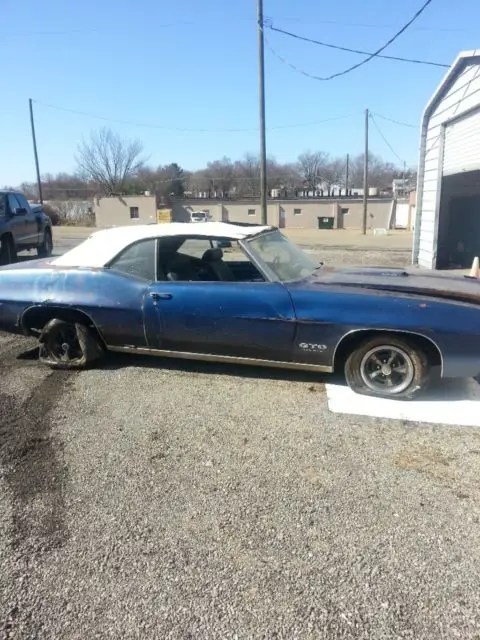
column 437, row 284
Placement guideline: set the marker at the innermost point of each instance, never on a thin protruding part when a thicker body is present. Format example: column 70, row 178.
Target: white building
column 447, row 225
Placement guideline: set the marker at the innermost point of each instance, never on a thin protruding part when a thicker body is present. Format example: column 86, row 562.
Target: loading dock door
column 458, row 239
column 462, row 145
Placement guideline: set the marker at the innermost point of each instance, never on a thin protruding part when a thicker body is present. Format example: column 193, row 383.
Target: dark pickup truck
column 22, row 228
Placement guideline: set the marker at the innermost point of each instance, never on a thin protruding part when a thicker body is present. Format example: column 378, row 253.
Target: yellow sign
column 164, row 215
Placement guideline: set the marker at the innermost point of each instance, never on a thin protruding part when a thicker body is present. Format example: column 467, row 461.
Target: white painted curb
column 453, row 403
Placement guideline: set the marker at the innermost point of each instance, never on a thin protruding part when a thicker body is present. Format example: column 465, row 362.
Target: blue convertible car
column 171, row 290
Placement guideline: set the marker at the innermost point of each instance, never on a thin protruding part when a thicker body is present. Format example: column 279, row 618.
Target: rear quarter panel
column 326, row 314
column 113, row 302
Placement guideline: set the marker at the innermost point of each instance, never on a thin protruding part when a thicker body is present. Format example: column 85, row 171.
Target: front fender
column 325, row 317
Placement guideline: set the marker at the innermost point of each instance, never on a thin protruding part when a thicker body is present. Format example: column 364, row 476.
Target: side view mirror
column 20, row 211
column 223, row 244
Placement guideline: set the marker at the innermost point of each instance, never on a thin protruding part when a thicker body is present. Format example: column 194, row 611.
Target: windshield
column 199, row 216
column 283, row 258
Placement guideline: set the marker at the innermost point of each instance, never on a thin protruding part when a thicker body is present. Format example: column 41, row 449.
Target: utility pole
column 365, row 176
column 39, row 182
column 261, row 101
column 347, row 167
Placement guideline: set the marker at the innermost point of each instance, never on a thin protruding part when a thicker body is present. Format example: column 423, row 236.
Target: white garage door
column 401, row 216
column 462, row 145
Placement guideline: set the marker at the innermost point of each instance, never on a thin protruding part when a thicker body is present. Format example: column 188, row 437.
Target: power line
column 135, row 124
column 357, row 25
column 183, row 130
column 62, row 32
column 399, row 122
column 387, row 44
column 370, row 56
column 309, row 124
column 366, row 53
column 290, row 64
column 113, row 29
column 372, row 118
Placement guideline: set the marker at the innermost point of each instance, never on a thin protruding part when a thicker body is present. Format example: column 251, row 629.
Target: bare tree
column 198, row 182
column 29, row 190
column 221, row 174
column 283, row 176
column 248, row 175
column 335, row 172
column 110, row 164
column 64, row 186
column 313, row 168
column 380, row 173
column 109, row 160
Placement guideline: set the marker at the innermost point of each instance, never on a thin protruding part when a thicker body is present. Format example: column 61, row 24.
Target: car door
column 33, row 220
column 3, row 208
column 239, row 319
column 18, row 223
column 21, row 223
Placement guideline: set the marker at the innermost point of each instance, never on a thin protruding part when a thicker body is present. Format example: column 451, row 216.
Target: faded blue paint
column 268, row 320
column 254, row 318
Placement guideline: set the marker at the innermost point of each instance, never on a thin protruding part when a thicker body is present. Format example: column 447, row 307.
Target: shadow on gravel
column 31, row 354
column 33, row 467
column 116, row 361
column 456, row 389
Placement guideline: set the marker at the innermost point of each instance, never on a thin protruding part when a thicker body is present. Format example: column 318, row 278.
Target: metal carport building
column 447, row 223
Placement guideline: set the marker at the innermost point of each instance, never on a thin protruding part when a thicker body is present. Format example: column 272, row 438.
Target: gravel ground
column 191, row 501
column 153, row 499
column 372, row 257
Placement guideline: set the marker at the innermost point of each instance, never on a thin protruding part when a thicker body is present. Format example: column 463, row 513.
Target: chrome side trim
column 210, row 357
column 405, row 332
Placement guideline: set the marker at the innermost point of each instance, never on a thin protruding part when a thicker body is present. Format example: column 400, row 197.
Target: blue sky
column 192, row 65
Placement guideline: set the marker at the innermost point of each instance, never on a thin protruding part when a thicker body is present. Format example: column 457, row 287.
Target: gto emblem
column 312, row 346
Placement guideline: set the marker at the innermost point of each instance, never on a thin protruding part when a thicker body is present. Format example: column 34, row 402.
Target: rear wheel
column 46, row 248
column 69, row 345
column 8, row 252
column 388, row 367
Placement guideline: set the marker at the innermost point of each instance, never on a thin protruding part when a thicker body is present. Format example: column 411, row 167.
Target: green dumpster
column 325, row 223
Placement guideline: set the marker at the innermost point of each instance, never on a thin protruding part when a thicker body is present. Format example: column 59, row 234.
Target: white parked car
column 199, row 216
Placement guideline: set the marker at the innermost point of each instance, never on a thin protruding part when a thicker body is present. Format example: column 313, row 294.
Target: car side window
column 195, row 247
column 22, row 201
column 137, row 260
column 13, row 202
column 3, row 205
column 207, row 259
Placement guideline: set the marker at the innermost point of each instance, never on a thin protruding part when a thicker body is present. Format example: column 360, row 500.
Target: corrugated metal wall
column 463, row 95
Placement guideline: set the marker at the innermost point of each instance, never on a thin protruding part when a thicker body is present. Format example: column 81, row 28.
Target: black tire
column 388, row 367
column 46, row 248
column 69, row 345
column 8, row 252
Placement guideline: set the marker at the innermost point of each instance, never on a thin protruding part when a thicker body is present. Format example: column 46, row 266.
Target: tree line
column 108, row 164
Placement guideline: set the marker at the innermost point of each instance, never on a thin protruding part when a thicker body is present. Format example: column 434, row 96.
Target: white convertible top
column 102, row 246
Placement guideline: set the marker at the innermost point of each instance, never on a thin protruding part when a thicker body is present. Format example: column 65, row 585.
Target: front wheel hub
column 387, row 369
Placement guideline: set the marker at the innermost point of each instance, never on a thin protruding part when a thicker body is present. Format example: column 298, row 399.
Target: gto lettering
column 312, row 346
